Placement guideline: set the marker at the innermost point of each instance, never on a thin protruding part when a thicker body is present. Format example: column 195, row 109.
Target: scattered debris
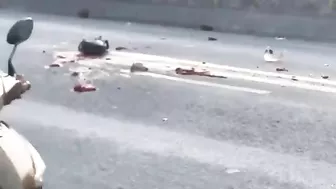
column 83, row 13
column 78, row 71
column 326, row 65
column 294, row 78
column 206, row 28
column 120, row 48
column 96, row 47
column 325, row 77
column 164, row 119
column 192, row 71
column 212, row 39
column 281, row 70
column 138, row 67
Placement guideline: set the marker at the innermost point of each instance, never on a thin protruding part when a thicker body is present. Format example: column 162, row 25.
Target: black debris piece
column 120, row 48
column 138, row 67
column 212, row 39
column 96, row 47
column 281, row 70
column 325, row 77
column 60, row 56
column 206, row 28
column 55, row 65
column 75, row 74
column 203, row 62
column 83, row 13
column 294, row 78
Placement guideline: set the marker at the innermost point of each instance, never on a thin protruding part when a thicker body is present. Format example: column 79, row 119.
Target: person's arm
column 13, row 88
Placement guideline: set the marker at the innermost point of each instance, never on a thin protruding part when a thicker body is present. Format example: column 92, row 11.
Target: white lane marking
column 125, row 75
column 160, row 65
column 282, row 82
column 219, row 66
column 275, row 81
column 159, row 141
column 203, row 83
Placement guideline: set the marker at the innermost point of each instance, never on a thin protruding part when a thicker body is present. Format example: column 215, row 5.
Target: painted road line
column 280, row 82
column 134, row 136
column 147, row 57
column 161, row 66
column 203, row 83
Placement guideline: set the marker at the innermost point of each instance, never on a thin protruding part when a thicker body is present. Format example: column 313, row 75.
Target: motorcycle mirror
column 18, row 33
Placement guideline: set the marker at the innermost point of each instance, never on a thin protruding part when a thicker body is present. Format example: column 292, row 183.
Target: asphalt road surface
column 213, row 138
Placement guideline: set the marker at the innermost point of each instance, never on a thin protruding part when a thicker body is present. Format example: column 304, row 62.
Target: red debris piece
column 84, row 88
column 192, row 71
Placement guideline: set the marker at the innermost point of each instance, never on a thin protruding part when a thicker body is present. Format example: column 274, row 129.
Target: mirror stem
column 11, row 69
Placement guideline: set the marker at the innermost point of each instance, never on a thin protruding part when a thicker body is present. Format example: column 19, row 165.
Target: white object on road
column 21, row 165
column 269, row 56
column 280, row 38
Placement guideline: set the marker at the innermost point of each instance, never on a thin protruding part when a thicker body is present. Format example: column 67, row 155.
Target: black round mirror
column 20, row 31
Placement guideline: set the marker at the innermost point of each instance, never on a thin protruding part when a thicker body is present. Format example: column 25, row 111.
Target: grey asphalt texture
column 213, row 138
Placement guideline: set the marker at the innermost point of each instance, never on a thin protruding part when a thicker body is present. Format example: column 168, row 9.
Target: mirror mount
column 11, row 69
column 18, row 33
